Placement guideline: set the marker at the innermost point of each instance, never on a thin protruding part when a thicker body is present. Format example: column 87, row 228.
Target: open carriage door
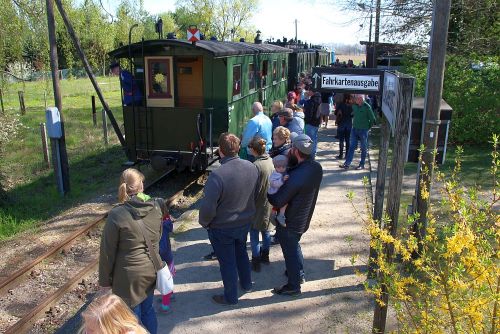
column 189, row 82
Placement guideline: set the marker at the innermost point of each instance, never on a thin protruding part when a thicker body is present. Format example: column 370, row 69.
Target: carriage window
column 251, row 77
column 159, row 78
column 236, row 80
column 275, row 70
column 283, row 69
column 264, row 72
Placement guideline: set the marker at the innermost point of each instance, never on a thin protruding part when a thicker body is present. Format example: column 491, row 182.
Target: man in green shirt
column 363, row 119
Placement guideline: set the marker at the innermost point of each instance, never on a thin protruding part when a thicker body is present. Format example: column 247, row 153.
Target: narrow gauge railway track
column 88, row 265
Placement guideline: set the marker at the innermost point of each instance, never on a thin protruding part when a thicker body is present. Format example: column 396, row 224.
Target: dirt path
column 332, row 300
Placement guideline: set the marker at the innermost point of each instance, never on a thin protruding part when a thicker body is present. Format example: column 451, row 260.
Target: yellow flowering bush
column 449, row 282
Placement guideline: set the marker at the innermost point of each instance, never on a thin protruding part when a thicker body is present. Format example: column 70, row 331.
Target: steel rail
column 26, row 322
column 19, row 274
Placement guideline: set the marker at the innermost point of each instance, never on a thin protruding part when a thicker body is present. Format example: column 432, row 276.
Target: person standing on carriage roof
column 132, row 95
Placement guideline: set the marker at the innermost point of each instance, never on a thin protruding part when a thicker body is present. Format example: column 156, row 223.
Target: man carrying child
column 299, row 193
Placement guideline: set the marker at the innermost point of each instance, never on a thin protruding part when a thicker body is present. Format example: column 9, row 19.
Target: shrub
column 471, row 88
column 449, row 282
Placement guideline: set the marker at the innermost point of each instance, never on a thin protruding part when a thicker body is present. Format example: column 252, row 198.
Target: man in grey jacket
column 226, row 211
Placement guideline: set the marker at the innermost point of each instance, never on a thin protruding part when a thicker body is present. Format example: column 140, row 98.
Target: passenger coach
column 194, row 92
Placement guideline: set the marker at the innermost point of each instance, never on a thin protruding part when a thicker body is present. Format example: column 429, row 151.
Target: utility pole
column 431, row 116
column 377, row 32
column 296, row 40
column 61, row 167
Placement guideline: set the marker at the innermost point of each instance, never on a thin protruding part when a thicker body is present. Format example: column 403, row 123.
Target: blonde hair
column 109, row 314
column 131, row 183
column 278, row 105
column 282, row 133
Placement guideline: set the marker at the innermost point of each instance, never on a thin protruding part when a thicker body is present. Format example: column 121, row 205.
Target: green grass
column 30, row 187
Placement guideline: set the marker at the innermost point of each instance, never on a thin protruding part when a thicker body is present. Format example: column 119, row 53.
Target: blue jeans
column 312, row 132
column 146, row 314
column 294, row 260
column 362, row 136
column 255, row 244
column 230, row 247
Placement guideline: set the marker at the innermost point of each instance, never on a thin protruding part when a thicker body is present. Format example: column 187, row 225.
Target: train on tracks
column 192, row 92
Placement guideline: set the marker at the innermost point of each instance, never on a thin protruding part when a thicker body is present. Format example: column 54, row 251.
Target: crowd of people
column 268, row 180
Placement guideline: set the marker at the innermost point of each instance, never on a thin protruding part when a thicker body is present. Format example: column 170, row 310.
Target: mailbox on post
column 53, row 123
column 416, row 130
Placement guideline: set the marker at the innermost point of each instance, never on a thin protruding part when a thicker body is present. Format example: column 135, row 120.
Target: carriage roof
column 217, row 48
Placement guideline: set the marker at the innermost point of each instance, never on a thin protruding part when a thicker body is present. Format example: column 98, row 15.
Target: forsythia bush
column 453, row 284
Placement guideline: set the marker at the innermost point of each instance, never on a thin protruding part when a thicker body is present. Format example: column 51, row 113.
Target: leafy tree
column 224, row 19
column 474, row 24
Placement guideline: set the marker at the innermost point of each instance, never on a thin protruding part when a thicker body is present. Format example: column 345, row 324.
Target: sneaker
column 250, row 289
column 220, row 300
column 360, row 167
column 165, row 309
column 339, row 157
column 210, row 257
column 344, row 166
column 286, row 291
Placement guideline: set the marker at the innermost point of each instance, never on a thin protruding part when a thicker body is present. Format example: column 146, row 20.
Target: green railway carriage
column 194, row 92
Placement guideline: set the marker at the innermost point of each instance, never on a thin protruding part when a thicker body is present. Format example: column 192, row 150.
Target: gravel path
column 333, row 298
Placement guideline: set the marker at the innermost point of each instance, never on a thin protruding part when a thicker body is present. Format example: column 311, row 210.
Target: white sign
column 369, row 83
column 390, row 98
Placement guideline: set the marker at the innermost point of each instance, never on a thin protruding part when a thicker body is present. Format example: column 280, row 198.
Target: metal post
column 22, row 107
column 45, row 99
column 433, row 94
column 94, row 113
column 45, row 147
column 105, row 127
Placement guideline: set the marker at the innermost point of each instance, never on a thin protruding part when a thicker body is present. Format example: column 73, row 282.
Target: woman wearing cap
column 291, row 98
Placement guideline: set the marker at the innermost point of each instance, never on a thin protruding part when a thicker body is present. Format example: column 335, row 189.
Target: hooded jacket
column 265, row 167
column 124, row 262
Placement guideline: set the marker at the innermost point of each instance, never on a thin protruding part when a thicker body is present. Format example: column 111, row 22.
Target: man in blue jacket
column 226, row 211
column 300, row 192
column 259, row 125
column 132, row 95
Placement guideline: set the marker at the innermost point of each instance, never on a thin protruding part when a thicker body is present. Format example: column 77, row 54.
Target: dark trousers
column 294, row 260
column 230, row 247
column 344, row 134
column 146, row 314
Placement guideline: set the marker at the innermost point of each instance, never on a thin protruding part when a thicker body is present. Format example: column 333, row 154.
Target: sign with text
column 390, row 98
column 348, row 80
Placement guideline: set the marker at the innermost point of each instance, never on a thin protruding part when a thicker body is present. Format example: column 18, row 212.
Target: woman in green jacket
column 125, row 265
column 260, row 225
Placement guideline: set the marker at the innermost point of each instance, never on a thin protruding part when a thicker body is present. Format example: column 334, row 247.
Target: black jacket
column 312, row 112
column 300, row 192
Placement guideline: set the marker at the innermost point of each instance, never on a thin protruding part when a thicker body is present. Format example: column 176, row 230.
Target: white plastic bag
column 164, row 281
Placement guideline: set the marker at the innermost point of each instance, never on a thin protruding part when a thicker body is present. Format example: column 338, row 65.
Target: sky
column 319, row 21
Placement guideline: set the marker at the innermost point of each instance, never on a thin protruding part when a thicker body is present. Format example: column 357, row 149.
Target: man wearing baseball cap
column 300, row 192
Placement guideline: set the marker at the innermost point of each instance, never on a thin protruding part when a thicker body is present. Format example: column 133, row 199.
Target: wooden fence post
column 45, row 98
column 1, row 101
column 399, row 156
column 22, row 107
column 105, row 127
column 45, row 147
column 94, row 114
